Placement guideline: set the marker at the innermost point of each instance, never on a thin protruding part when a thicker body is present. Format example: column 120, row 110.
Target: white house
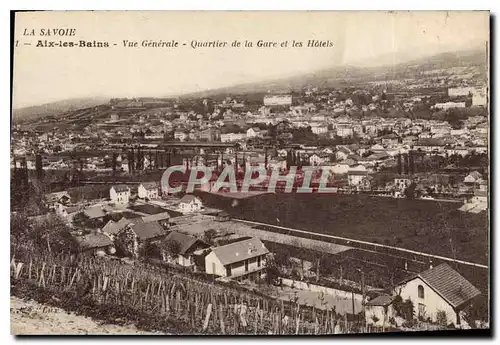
column 120, row 194
column 339, row 169
column 188, row 248
column 148, row 190
column 254, row 132
column 439, row 289
column 356, row 177
column 190, row 203
column 228, row 137
column 238, row 260
column 315, row 160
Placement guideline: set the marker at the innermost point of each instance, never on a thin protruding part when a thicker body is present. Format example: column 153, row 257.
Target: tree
column 81, row 219
column 209, row 235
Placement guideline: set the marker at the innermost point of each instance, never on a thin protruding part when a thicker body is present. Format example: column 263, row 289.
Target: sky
column 43, row 75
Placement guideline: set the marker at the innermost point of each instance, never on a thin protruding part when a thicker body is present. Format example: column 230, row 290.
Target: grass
column 429, row 226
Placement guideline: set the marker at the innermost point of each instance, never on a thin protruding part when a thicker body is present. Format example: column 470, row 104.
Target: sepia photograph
column 242, row 173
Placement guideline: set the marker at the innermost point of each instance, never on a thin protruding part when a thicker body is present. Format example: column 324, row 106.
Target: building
column 229, row 137
column 449, row 105
column 461, row 91
column 188, row 247
column 238, row 260
column 355, row 178
column 278, row 100
column 135, row 236
column 58, row 198
column 162, row 218
column 112, row 228
column 479, row 100
column 120, row 194
column 190, row 203
column 439, row 289
column 402, row 183
column 96, row 243
column 379, row 311
column 254, row 132
column 148, row 190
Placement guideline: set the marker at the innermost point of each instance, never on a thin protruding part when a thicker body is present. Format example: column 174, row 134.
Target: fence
column 186, row 306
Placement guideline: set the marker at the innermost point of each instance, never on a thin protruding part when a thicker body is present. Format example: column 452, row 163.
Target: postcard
column 250, row 173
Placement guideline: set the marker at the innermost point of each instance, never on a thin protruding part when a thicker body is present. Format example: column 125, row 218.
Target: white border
column 192, row 5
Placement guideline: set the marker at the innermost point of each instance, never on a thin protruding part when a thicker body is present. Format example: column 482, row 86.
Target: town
column 387, row 249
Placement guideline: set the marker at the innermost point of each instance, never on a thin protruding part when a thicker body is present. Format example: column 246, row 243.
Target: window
column 246, row 265
column 228, row 270
column 420, row 291
column 258, row 261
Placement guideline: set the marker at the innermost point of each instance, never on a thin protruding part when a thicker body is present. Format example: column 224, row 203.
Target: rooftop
column 240, row 251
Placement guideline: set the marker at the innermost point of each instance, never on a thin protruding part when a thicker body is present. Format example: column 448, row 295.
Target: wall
column 379, row 312
column 317, row 288
column 432, row 301
column 211, row 261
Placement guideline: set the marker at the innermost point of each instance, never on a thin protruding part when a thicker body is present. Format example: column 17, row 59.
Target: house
column 315, row 160
column 95, row 243
column 135, row 236
column 339, row 169
column 187, row 247
column 379, row 311
column 190, row 203
column 473, row 178
column 439, row 289
column 254, row 132
column 402, row 183
column 148, row 190
column 180, row 135
column 120, row 194
column 112, row 228
column 62, row 198
column 94, row 213
column 162, row 218
column 355, row 177
column 228, row 137
column 238, row 260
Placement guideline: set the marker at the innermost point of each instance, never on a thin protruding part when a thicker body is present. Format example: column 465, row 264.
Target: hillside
column 346, row 75
column 55, row 108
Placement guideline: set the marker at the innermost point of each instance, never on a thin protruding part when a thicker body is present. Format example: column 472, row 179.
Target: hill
column 55, row 108
column 344, row 76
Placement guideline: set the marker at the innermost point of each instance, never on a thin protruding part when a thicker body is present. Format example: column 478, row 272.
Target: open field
column 432, row 227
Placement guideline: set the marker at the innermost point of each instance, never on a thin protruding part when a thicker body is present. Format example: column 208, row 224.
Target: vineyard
column 159, row 300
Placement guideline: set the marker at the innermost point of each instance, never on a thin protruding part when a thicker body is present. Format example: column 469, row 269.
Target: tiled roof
column 114, row 227
column 185, row 242
column 121, row 188
column 382, row 300
column 156, row 217
column 188, row 198
column 149, row 185
column 449, row 284
column 94, row 240
column 148, row 230
column 240, row 251
column 94, row 212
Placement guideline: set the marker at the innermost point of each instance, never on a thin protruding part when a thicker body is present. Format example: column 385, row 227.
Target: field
column 428, row 226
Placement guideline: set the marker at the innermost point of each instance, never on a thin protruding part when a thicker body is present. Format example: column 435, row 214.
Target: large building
column 278, row 100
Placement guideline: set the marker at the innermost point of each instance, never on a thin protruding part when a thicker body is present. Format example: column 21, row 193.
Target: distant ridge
column 346, row 75
column 55, row 108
